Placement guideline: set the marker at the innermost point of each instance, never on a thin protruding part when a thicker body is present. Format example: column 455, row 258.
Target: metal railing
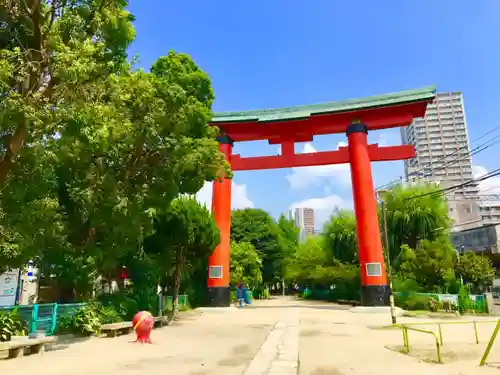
column 490, row 344
column 439, row 338
column 406, row 342
column 44, row 317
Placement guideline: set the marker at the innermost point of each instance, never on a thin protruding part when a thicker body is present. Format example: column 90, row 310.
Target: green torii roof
column 304, row 111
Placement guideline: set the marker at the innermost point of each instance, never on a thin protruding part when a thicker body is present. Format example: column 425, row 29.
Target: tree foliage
column 308, row 261
column 428, row 263
column 313, row 266
column 246, row 265
column 184, row 236
column 259, row 228
column 423, row 258
column 340, row 237
column 415, row 213
column 475, row 269
column 92, row 150
column 54, row 54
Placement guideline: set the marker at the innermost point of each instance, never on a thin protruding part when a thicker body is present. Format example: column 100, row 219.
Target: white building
column 489, row 209
column 304, row 220
column 443, row 156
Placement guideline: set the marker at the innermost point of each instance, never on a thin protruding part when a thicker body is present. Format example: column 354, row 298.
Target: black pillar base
column 219, row 297
column 375, row 295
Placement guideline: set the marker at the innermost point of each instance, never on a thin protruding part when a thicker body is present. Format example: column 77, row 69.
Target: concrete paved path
column 276, row 337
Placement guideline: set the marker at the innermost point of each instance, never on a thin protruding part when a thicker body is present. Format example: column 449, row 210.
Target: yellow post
column 490, row 344
column 475, row 333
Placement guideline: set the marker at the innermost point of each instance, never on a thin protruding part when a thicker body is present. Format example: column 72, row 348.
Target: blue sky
column 265, row 54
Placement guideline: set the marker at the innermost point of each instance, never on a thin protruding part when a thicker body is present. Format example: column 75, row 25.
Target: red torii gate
column 286, row 126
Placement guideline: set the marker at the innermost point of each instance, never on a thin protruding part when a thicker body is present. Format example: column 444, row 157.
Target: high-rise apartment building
column 304, row 220
column 443, row 156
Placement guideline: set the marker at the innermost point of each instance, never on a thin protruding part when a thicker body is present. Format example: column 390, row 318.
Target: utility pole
column 389, row 271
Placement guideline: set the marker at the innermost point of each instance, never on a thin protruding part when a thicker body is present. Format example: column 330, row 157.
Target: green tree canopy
column 308, row 263
column 53, row 56
column 430, row 264
column 288, row 239
column 246, row 265
column 313, row 265
column 184, row 237
column 475, row 269
column 136, row 142
column 340, row 237
column 415, row 212
column 258, row 228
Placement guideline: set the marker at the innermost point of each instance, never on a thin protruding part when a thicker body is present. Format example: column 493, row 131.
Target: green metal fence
column 183, row 301
column 44, row 317
column 477, row 302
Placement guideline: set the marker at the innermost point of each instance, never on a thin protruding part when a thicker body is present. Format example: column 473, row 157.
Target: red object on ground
column 143, row 325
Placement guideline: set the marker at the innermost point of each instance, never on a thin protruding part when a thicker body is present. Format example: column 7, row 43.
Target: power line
column 491, row 174
column 475, row 151
column 450, row 154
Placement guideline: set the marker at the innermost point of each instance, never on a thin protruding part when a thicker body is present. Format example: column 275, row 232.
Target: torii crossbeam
column 286, row 126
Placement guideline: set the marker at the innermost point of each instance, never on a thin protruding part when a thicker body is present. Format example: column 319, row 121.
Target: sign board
column 496, row 283
column 453, row 298
column 9, row 281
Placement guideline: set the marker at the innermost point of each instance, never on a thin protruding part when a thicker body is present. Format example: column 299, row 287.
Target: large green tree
column 415, row 212
column 475, row 269
column 430, row 264
column 259, row 228
column 340, row 237
column 307, row 265
column 184, row 237
column 91, row 149
column 313, row 265
column 52, row 56
column 246, row 265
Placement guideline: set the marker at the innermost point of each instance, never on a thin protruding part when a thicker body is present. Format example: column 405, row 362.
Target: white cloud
column 324, row 207
column 385, row 139
column 239, row 196
column 489, row 186
column 304, row 177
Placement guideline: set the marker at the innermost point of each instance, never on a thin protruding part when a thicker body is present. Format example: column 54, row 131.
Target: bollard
column 143, row 325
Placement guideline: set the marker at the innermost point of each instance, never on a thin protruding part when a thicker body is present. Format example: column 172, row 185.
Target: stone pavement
column 276, row 337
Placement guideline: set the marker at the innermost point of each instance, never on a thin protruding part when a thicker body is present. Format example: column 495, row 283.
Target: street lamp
column 381, row 194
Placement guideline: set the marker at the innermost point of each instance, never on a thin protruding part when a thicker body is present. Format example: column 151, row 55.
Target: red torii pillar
column 219, row 261
column 374, row 288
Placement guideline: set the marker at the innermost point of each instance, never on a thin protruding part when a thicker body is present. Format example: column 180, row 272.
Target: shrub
column 123, row 304
column 463, row 299
column 412, row 302
column 11, row 324
column 108, row 315
column 89, row 319
column 400, row 284
column 86, row 321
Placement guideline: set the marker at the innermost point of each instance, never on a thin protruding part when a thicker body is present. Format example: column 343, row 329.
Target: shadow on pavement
column 65, row 341
column 303, row 305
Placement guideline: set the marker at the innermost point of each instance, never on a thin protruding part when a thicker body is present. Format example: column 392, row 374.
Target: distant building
column 443, row 155
column 489, row 208
column 482, row 239
column 304, row 220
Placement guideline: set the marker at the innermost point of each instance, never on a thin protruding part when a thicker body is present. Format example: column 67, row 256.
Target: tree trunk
column 177, row 283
